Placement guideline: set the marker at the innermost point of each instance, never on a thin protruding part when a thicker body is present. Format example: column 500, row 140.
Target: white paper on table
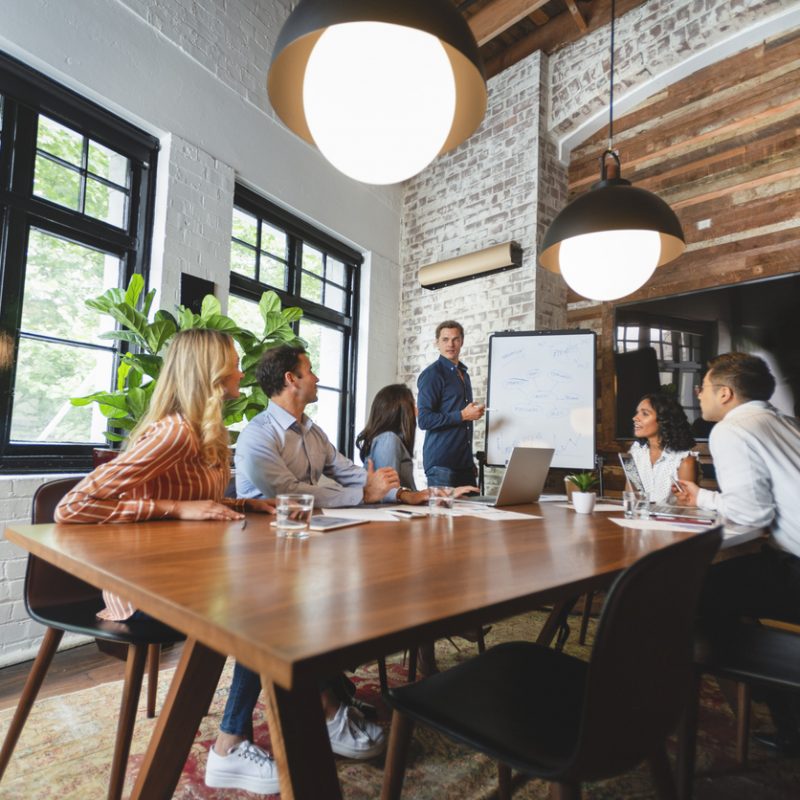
column 487, row 512
column 363, row 514
column 597, row 506
column 660, row 525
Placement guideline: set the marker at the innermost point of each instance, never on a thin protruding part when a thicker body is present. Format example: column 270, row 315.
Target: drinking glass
column 629, row 504
column 440, row 499
column 293, row 515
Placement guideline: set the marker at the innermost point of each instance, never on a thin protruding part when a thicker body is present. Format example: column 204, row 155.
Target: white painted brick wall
column 649, row 40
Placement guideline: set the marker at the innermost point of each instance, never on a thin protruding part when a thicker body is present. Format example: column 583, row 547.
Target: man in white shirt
column 756, row 452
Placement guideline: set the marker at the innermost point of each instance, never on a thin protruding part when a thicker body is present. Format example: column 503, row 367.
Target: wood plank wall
column 722, row 145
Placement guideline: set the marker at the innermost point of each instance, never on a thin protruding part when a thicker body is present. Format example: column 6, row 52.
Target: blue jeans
column 242, row 698
column 443, row 476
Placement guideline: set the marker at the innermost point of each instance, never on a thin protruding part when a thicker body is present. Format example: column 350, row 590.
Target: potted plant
column 140, row 366
column 583, row 498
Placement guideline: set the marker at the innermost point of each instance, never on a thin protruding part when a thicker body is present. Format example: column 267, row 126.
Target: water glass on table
column 629, row 504
column 440, row 499
column 293, row 515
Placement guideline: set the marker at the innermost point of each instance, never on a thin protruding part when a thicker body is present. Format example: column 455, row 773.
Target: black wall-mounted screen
column 686, row 330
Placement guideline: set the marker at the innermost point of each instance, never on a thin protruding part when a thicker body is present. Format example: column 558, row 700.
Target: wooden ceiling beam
column 558, row 32
column 576, row 15
column 540, row 18
column 500, row 15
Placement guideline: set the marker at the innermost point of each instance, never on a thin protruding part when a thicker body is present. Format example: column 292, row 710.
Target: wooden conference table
column 297, row 611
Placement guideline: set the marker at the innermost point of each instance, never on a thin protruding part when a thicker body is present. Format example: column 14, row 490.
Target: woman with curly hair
column 664, row 441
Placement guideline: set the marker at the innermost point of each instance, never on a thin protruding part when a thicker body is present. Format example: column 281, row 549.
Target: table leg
column 561, row 609
column 300, row 742
column 190, row 693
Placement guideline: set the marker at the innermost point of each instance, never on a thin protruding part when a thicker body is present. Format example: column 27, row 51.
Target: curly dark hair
column 674, row 432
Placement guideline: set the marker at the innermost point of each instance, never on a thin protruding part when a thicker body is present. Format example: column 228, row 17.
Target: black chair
column 64, row 603
column 752, row 655
column 556, row 717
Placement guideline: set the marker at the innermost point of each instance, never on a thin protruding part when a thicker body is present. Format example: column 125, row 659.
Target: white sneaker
column 353, row 736
column 245, row 767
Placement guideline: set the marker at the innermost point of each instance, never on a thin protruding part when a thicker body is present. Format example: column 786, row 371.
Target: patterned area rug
column 65, row 749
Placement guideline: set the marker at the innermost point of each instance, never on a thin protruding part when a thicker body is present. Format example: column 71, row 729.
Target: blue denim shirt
column 441, row 397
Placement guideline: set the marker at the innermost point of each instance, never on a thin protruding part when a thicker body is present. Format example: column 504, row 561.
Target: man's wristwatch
column 399, row 495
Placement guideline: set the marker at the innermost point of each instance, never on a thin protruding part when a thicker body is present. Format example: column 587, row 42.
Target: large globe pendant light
column 380, row 87
column 608, row 242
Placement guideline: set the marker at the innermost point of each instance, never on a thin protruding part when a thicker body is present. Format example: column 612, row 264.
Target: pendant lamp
column 608, row 242
column 381, row 87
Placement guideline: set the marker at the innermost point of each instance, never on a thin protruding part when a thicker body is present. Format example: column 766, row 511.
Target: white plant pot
column 584, row 502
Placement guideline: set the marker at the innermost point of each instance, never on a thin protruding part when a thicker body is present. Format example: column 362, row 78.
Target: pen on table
column 244, row 523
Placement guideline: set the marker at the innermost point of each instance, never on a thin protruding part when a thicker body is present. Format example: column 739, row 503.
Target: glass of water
column 293, row 514
column 440, row 499
column 629, row 504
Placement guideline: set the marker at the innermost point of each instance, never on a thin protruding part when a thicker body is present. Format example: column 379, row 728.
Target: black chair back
column 640, row 672
column 47, row 586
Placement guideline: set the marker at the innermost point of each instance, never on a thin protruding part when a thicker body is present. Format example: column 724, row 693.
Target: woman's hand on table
column 201, row 509
column 460, row 491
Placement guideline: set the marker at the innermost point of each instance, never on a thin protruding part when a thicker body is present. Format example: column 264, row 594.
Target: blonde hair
column 191, row 384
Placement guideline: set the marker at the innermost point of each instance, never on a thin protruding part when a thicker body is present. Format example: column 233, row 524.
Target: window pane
column 105, row 203
column 108, row 164
column 245, row 313
column 274, row 241
column 59, row 276
column 47, row 376
column 312, row 260
column 245, row 227
column 311, row 288
column 56, row 183
column 334, row 297
column 273, row 272
column 60, row 141
column 243, row 260
column 326, row 413
column 325, row 347
column 335, row 271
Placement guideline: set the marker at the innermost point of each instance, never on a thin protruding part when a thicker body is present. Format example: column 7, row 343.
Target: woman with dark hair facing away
column 388, row 440
column 663, row 447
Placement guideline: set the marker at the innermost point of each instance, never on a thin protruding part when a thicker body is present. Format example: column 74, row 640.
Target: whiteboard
column 542, row 391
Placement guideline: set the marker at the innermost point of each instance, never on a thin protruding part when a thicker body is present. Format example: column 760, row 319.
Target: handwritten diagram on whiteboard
column 541, row 391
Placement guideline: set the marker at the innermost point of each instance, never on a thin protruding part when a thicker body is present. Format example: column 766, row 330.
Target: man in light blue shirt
column 282, row 450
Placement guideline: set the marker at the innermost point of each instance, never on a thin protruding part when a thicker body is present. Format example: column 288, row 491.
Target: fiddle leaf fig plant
column 140, row 366
column 583, row 481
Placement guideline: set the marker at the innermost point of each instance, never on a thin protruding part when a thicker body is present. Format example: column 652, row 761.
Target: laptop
column 523, row 479
column 669, row 510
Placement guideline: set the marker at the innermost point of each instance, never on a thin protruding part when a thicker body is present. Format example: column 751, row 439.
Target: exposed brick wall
column 21, row 636
column 232, row 39
column 491, row 189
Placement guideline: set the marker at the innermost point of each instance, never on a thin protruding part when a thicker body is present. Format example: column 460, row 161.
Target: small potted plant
column 583, row 498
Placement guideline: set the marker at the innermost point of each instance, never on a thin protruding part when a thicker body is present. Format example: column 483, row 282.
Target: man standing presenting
column 282, row 450
column 447, row 412
column 756, row 452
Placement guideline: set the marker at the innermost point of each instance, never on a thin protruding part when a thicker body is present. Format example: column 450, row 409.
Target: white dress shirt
column 756, row 452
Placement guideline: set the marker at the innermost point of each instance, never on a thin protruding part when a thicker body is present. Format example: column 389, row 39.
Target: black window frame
column 299, row 233
column 26, row 94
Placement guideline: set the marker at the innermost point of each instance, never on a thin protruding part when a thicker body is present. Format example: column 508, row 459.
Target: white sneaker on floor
column 245, row 767
column 353, row 736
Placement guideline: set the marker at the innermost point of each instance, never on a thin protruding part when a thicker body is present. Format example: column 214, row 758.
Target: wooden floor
column 71, row 670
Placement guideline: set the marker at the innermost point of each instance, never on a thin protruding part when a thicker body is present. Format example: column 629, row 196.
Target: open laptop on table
column 669, row 510
column 523, row 479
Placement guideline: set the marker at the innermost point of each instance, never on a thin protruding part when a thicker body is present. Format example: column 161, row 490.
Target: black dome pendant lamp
column 608, row 242
column 381, row 87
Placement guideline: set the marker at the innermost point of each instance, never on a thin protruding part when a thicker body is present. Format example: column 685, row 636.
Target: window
column 680, row 347
column 76, row 186
column 271, row 249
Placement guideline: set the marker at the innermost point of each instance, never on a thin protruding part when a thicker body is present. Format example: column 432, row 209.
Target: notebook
column 523, row 479
column 668, row 510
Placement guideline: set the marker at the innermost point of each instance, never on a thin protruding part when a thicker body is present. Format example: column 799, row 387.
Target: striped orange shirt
column 164, row 464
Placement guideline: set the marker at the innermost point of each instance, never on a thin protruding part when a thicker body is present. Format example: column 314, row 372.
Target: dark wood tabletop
column 297, row 611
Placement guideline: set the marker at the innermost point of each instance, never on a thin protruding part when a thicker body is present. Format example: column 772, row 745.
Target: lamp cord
column 611, row 88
